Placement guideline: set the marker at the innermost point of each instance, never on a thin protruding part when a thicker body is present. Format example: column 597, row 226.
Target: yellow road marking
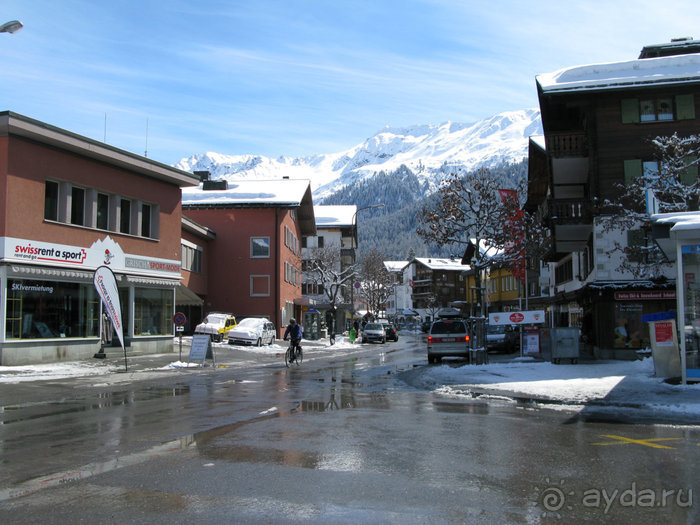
column 621, row 440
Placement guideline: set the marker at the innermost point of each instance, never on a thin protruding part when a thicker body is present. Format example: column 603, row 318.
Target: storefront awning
column 187, row 297
column 304, row 301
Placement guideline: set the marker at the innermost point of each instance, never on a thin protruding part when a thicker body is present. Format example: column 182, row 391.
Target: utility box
column 565, row 344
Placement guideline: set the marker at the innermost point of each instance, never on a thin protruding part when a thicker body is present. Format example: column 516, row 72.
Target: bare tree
column 671, row 182
column 324, row 267
column 376, row 282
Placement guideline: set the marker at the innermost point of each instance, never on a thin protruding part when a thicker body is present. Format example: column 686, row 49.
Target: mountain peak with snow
column 424, row 149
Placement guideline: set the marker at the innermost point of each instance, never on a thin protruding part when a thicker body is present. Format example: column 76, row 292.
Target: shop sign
column 645, row 296
column 517, row 318
column 104, row 252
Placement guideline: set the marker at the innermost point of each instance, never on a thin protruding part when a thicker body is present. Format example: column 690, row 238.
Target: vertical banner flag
column 106, row 285
column 514, row 227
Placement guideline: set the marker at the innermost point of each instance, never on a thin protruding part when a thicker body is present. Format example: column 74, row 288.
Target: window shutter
column 635, row 240
column 685, row 107
column 690, row 175
column 630, row 110
column 633, row 169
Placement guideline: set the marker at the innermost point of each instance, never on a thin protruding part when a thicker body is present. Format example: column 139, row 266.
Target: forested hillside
column 392, row 229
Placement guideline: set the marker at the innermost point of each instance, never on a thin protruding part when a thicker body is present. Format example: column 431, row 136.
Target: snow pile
column 20, row 374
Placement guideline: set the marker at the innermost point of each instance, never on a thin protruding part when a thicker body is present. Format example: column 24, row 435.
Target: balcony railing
column 570, row 210
column 567, row 144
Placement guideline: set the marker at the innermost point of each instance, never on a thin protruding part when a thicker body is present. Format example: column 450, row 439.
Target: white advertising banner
column 515, row 318
column 106, row 286
column 102, row 252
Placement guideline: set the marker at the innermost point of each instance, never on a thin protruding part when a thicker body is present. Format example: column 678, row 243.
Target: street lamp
column 11, row 27
column 354, row 247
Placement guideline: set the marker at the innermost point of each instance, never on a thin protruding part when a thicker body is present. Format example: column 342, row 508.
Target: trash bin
column 565, row 344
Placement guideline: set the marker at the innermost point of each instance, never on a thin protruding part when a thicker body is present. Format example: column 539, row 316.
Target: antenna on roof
column 105, row 132
column 145, row 153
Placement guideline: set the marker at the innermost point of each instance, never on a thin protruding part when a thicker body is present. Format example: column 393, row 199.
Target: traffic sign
column 179, row 319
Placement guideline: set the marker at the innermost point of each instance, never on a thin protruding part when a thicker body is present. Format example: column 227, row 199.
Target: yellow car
column 216, row 325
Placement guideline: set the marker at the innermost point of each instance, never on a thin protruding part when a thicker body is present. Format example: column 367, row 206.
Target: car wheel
column 383, row 341
column 431, row 359
column 258, row 342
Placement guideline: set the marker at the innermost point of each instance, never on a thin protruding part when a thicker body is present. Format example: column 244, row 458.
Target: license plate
column 448, row 339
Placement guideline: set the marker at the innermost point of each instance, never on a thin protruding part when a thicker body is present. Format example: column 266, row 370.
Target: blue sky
column 295, row 78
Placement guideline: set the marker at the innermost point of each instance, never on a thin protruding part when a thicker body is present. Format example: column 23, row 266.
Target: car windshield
column 373, row 326
column 250, row 322
column 448, row 327
column 215, row 319
column 496, row 329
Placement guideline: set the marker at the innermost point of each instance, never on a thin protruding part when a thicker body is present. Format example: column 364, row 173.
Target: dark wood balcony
column 571, row 144
column 569, row 211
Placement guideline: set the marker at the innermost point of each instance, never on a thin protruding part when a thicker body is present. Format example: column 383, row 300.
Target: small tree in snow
column 376, row 283
column 323, row 267
column 672, row 180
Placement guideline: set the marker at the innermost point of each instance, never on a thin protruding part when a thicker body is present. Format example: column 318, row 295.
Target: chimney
column 202, row 174
column 214, row 185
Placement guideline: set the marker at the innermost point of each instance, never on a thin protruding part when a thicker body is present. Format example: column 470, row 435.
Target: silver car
column 447, row 337
column 374, row 332
column 252, row 331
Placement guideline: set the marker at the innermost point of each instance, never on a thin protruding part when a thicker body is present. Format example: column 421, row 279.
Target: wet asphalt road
column 341, row 439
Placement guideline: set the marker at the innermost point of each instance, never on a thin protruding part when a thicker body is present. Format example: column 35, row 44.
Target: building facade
column 72, row 204
column 254, row 267
column 599, row 121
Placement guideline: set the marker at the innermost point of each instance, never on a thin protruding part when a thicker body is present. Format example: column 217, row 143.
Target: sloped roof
column 614, row 75
column 436, row 263
column 334, row 216
column 395, row 266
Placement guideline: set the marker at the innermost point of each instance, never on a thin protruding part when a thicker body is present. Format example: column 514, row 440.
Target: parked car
column 425, row 326
column 447, row 337
column 216, row 325
column 252, row 331
column 500, row 338
column 391, row 333
column 374, row 332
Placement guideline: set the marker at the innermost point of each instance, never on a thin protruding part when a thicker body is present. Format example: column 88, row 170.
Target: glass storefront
column 153, row 311
column 51, row 309
column 691, row 289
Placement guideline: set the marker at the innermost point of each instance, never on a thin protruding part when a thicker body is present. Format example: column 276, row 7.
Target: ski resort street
column 353, row 434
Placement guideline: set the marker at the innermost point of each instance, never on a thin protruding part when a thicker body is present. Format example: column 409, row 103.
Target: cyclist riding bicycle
column 293, row 331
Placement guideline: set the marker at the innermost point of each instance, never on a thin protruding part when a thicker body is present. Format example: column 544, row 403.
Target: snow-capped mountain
column 429, row 151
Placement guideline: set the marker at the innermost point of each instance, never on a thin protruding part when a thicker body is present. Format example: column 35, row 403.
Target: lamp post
column 11, row 27
column 354, row 247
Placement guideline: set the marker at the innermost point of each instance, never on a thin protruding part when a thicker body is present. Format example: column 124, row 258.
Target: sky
column 174, row 78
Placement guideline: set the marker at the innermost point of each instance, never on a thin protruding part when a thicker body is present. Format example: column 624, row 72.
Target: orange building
column 254, row 267
column 69, row 205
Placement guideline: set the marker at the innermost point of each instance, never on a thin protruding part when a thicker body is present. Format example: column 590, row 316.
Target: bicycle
column 295, row 347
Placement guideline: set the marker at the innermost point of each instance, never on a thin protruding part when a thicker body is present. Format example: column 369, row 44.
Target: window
column 259, row 285
column 680, row 107
column 320, row 241
column 259, row 247
column 102, row 211
column 51, row 309
column 77, row 206
column 153, row 311
column 564, row 272
column 125, row 216
column 191, row 258
column 51, row 201
column 290, row 240
column 291, row 274
column 145, row 220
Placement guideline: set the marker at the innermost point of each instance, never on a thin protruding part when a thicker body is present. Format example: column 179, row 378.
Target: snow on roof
column 280, row 192
column 395, row 266
column 688, row 220
column 539, row 141
column 662, row 70
column 435, row 263
column 329, row 216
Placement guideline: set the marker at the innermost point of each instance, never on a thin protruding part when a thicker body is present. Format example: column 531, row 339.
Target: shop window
column 153, row 311
column 259, row 247
column 51, row 201
column 77, row 206
column 49, row 309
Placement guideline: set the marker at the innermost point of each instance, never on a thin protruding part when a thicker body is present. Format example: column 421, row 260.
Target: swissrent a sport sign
column 104, row 252
column 526, row 317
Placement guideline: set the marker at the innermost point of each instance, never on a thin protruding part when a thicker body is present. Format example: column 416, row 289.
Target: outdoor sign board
column 201, row 349
column 689, row 318
column 106, row 286
column 517, row 318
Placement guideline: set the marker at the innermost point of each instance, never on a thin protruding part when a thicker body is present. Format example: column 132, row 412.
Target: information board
column 201, row 349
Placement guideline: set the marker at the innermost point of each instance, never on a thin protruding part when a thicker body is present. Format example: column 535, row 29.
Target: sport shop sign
column 104, row 252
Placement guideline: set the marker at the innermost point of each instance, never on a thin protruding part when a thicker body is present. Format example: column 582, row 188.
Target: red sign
column 516, row 317
column 179, row 319
column 663, row 333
